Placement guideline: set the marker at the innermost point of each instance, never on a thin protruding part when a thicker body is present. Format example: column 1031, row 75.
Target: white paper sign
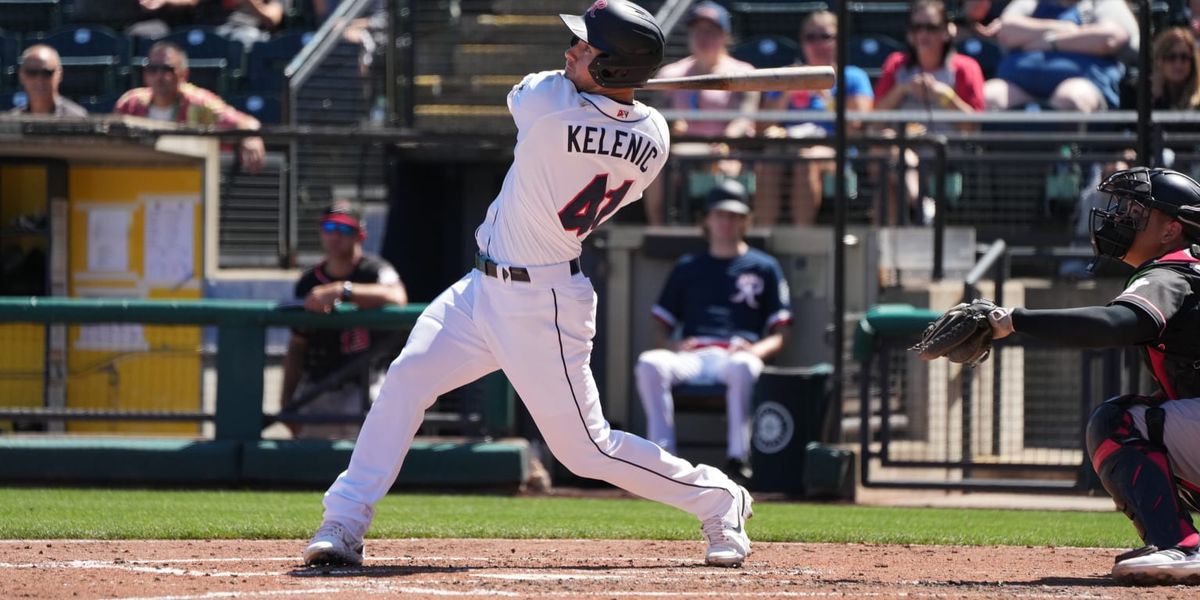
column 169, row 241
column 108, row 240
column 110, row 337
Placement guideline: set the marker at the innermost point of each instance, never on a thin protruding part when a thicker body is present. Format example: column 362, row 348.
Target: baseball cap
column 341, row 212
column 730, row 196
column 711, row 11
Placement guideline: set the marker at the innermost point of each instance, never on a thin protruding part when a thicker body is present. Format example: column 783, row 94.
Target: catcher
column 1143, row 447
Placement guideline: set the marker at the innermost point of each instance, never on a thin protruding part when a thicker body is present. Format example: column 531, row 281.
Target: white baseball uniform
column 579, row 158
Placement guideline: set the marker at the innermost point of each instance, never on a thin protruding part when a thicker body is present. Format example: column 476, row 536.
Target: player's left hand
column 254, row 152
column 738, row 344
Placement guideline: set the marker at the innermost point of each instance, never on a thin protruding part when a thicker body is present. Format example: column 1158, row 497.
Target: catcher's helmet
column 1132, row 193
column 629, row 39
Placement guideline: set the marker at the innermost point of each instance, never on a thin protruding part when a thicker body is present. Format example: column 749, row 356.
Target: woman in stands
column 1173, row 81
column 818, row 42
column 928, row 76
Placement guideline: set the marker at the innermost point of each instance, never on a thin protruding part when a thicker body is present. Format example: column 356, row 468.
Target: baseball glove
column 963, row 334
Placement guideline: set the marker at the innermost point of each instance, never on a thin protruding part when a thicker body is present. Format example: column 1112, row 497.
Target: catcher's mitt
column 963, row 334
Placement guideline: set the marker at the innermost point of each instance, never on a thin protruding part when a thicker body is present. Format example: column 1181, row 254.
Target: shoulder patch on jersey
column 1135, row 285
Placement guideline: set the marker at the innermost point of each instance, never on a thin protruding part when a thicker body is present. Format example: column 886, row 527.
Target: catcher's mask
column 1132, row 194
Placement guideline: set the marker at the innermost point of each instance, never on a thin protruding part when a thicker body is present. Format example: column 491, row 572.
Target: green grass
column 32, row 513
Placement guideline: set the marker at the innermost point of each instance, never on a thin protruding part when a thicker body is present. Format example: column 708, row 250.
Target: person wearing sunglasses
column 928, row 76
column 1065, row 54
column 318, row 359
column 818, row 42
column 168, row 96
column 40, row 73
column 1174, row 84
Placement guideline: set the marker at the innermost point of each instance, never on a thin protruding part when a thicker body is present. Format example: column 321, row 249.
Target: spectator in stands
column 246, row 21
column 41, row 73
column 328, row 371
column 818, row 42
column 928, row 75
column 1173, row 81
column 1063, row 53
column 709, row 28
column 169, row 97
column 731, row 308
column 141, row 18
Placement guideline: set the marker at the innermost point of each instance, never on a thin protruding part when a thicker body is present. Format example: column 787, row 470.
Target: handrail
column 939, row 116
column 670, row 13
column 990, row 259
column 41, row 309
column 302, row 65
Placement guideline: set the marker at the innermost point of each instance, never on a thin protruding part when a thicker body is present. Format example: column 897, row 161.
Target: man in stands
column 169, row 97
column 40, row 74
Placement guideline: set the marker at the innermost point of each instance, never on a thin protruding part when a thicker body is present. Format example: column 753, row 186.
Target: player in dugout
column 1143, row 447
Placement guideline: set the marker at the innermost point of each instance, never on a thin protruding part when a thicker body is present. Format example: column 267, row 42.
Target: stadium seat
column 29, row 16
column 98, row 105
column 214, row 62
column 767, row 52
column 10, row 100
column 985, row 51
column 9, row 55
column 868, row 52
column 93, row 58
column 268, row 59
column 267, row 108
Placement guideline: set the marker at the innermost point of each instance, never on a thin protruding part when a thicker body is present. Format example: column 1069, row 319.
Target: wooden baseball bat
column 758, row 80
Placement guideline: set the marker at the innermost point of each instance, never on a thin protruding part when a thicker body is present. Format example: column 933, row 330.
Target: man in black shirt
column 1145, row 449
column 320, row 358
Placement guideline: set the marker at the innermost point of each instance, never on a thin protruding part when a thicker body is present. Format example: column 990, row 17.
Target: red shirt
column 960, row 72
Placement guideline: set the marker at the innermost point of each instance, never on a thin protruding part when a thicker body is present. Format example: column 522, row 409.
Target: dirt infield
column 553, row 569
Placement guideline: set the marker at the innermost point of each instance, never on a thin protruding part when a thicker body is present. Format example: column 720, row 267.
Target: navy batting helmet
column 629, row 39
column 1132, row 193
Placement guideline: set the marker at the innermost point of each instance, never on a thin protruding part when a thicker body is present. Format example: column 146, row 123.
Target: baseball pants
column 540, row 334
column 657, row 371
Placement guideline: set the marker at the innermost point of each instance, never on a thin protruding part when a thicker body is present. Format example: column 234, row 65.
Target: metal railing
column 240, row 359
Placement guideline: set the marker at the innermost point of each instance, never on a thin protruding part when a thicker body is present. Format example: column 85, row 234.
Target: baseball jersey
column 1166, row 289
column 716, row 299
column 329, row 349
column 579, row 158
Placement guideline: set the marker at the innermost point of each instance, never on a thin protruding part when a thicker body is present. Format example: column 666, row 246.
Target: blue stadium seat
column 29, row 16
column 93, row 58
column 9, row 56
column 12, row 99
column 98, row 105
column 268, row 59
column 767, row 51
column 214, row 62
column 985, row 51
column 868, row 52
column 267, row 108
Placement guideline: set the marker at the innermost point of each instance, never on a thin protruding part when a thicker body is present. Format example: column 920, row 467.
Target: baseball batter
column 584, row 149
column 1144, row 447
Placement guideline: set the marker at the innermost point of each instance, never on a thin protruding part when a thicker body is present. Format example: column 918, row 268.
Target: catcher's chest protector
column 1174, row 357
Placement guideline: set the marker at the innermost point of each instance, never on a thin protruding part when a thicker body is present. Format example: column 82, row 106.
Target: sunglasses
column 1176, row 57
column 926, row 27
column 32, row 72
column 335, row 227
column 813, row 38
column 160, row 69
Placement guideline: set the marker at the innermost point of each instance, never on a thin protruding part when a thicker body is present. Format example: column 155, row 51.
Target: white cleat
column 336, row 545
column 1150, row 566
column 728, row 544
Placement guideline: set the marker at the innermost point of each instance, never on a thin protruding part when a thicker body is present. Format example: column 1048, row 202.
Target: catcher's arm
column 1088, row 326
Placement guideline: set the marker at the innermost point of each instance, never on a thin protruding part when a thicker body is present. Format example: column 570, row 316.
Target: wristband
column 347, row 291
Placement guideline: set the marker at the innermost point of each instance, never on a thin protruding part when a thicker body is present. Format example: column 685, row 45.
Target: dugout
column 113, row 216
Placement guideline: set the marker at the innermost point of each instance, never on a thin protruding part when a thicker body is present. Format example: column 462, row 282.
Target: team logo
column 1135, row 285
column 621, row 114
column 597, row 5
column 749, row 286
column 773, row 427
